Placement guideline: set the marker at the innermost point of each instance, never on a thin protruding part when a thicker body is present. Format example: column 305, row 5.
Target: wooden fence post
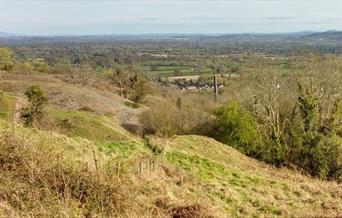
column 96, row 166
column 118, row 169
column 215, row 88
column 140, row 167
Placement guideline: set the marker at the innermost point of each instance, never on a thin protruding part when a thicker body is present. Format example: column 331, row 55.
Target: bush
column 6, row 59
column 315, row 142
column 35, row 110
column 131, row 83
column 166, row 119
column 236, row 127
column 140, row 88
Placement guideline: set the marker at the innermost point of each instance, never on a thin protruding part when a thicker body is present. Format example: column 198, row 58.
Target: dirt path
column 19, row 104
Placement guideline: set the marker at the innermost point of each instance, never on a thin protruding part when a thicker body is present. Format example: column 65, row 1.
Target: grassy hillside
column 83, row 163
column 51, row 175
column 245, row 187
column 88, row 125
column 195, row 175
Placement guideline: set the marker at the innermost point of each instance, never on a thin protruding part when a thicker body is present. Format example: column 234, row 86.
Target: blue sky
column 76, row 17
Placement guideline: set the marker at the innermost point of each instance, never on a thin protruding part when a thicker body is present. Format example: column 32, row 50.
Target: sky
column 102, row 17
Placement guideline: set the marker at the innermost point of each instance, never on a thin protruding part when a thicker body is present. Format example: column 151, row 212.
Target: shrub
column 166, row 119
column 39, row 65
column 140, row 88
column 120, row 79
column 6, row 59
column 34, row 112
column 314, row 143
column 336, row 119
column 131, row 83
column 236, row 127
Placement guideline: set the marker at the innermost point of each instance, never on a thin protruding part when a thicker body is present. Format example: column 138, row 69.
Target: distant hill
column 332, row 35
column 4, row 34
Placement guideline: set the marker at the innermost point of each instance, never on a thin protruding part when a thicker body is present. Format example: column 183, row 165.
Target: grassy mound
column 245, row 187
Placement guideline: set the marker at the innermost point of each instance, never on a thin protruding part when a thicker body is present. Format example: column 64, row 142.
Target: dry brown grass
column 65, row 96
column 49, row 175
column 43, row 182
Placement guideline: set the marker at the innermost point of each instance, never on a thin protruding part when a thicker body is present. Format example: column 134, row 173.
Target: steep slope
column 70, row 97
column 76, row 110
column 51, row 175
column 245, row 187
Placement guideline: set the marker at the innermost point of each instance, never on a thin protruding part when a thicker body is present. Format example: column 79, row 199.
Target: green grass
column 89, row 125
column 208, row 170
column 230, row 186
column 241, row 185
column 119, row 149
column 210, row 148
column 169, row 70
column 7, row 107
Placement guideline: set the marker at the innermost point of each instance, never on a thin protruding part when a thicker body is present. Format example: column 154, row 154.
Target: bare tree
column 120, row 78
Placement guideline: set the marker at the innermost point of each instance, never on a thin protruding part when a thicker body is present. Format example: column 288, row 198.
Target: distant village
column 191, row 85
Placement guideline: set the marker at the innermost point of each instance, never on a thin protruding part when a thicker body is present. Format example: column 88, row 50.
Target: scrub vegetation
column 132, row 128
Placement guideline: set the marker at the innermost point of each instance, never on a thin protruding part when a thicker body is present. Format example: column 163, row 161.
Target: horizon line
column 8, row 34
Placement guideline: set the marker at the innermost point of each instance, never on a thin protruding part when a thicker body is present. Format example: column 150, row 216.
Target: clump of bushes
column 167, row 119
column 305, row 133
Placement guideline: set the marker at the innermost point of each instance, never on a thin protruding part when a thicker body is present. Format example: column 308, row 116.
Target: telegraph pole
column 215, row 88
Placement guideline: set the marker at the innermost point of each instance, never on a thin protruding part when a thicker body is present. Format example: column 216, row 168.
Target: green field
column 173, row 70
